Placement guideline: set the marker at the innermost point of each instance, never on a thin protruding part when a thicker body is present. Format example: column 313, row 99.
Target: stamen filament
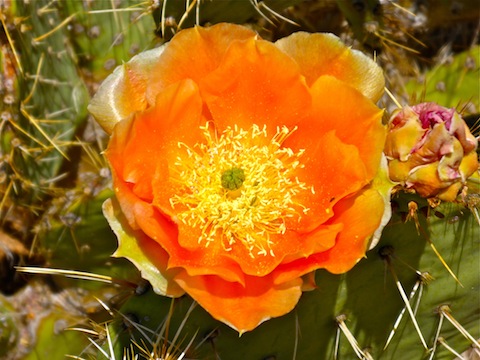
column 239, row 187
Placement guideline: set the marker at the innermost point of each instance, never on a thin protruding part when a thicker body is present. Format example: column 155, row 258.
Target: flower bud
column 430, row 150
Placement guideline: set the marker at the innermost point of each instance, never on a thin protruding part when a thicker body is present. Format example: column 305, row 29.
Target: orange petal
column 326, row 54
column 232, row 264
column 284, row 247
column 236, row 259
column 123, row 92
column 152, row 231
column 255, row 84
column 360, row 216
column 242, row 308
column 192, row 54
column 355, row 119
column 161, row 228
column 319, row 240
column 139, row 214
column 141, row 174
column 136, row 144
column 145, row 217
column 332, row 170
column 300, row 266
column 196, row 262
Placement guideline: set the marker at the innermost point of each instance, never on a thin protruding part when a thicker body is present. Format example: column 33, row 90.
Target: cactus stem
column 210, row 338
column 12, row 47
column 389, row 251
column 75, row 275
column 413, row 214
column 256, row 6
column 386, row 251
column 337, row 343
column 297, row 336
column 387, row 40
column 142, row 287
column 367, row 354
column 340, row 319
column 130, row 322
column 55, row 29
column 423, row 279
column 163, row 18
column 187, row 12
column 35, row 81
column 110, row 344
column 162, row 348
column 437, row 335
column 406, row 300
column 444, row 263
column 442, row 341
column 393, row 98
column 34, row 122
column 180, row 328
column 275, row 14
column 5, row 198
column 472, row 201
column 446, row 312
column 26, row 133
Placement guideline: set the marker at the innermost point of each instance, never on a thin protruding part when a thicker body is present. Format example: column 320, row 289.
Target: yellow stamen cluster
column 258, row 205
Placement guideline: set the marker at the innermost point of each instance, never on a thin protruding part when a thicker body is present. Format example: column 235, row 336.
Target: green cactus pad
column 81, row 239
column 8, row 329
column 106, row 34
column 54, row 342
column 51, row 91
column 453, row 83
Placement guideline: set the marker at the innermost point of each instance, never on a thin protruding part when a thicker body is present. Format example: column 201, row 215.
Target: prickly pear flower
column 431, row 150
column 241, row 165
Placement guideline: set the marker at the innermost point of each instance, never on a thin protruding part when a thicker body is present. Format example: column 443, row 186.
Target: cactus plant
column 366, row 300
column 54, row 180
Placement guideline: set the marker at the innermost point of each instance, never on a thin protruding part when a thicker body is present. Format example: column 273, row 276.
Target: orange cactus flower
column 241, row 165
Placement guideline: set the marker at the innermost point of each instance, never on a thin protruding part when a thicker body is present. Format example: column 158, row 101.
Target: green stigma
column 232, row 179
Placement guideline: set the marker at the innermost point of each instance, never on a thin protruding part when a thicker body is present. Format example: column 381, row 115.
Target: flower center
column 239, row 187
column 233, row 178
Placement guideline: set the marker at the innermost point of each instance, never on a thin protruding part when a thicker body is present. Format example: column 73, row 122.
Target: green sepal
column 135, row 246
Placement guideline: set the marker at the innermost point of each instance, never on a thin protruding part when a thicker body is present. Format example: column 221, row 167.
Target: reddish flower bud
column 431, row 150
